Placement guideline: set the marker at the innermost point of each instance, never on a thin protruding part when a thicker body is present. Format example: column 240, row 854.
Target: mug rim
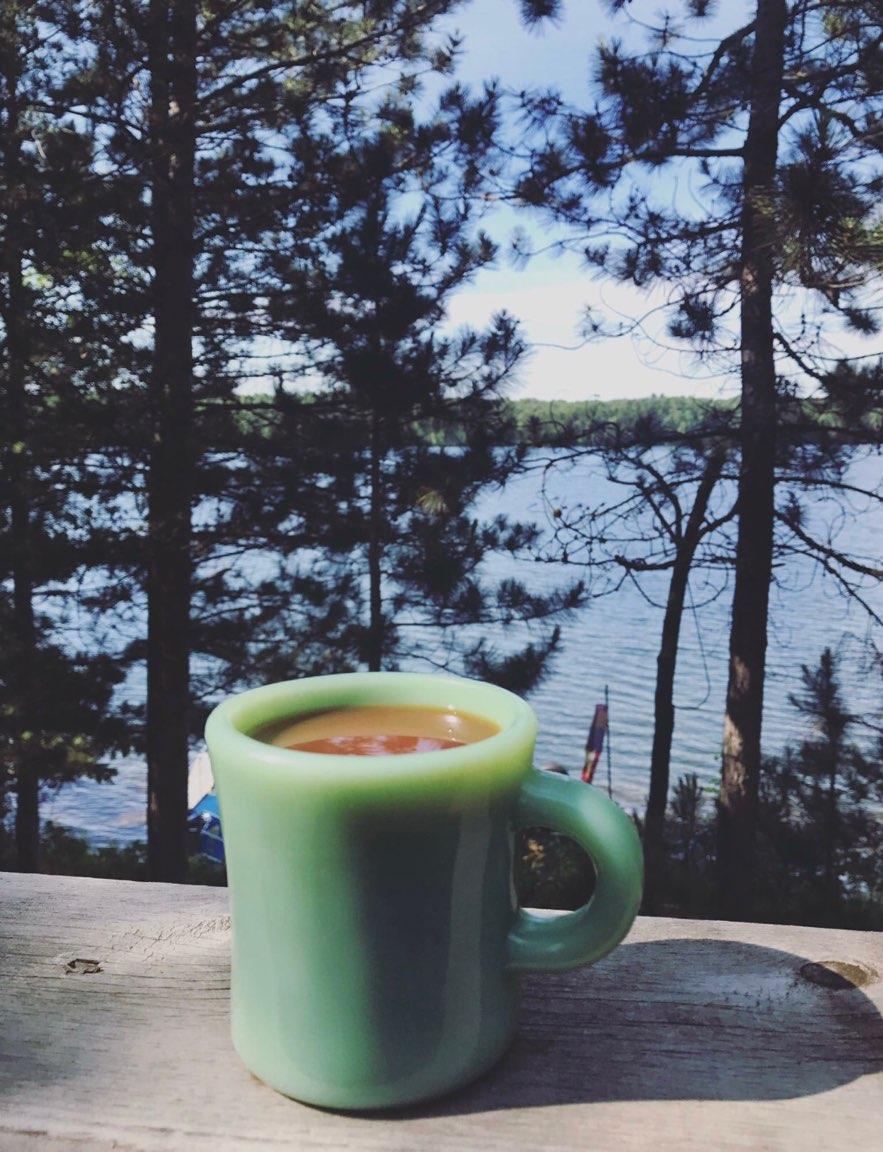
column 271, row 703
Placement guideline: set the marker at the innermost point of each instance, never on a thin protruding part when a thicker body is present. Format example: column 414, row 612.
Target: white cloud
column 560, row 367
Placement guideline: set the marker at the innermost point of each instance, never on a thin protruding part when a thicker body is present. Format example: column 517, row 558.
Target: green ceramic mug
column 376, row 937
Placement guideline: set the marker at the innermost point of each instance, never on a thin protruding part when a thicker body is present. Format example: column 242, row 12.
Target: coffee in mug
column 381, row 730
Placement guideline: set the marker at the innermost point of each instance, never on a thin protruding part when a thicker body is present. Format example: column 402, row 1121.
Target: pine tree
column 822, row 840
column 822, row 754
column 56, row 721
column 391, row 505
column 194, row 105
column 776, row 124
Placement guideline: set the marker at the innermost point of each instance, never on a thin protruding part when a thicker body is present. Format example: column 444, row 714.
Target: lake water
column 613, row 642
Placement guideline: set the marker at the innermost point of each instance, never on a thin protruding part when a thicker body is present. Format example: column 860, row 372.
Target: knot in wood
column 838, row 975
column 81, row 967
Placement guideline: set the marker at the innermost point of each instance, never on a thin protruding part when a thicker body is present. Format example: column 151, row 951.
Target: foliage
column 734, row 179
column 63, row 853
column 59, row 352
column 141, row 179
column 652, row 420
column 537, row 423
column 386, row 514
column 551, row 871
column 821, row 836
column 77, row 726
column 666, row 100
column 331, row 209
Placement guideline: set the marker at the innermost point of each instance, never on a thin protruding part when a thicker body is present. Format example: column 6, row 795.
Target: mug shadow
column 681, row 1019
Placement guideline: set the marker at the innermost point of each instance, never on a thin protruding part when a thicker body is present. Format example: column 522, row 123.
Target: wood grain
column 692, row 1035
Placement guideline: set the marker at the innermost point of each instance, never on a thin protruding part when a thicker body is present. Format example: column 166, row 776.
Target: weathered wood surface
column 692, row 1035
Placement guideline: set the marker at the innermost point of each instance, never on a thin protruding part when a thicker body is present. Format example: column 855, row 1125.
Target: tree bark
column 754, row 549
column 374, row 652
column 666, row 665
column 18, row 463
column 172, row 52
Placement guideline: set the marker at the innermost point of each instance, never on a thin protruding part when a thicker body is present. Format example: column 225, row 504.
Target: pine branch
column 728, row 43
column 824, row 550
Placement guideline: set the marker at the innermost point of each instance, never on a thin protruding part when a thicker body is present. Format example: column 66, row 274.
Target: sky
column 549, row 294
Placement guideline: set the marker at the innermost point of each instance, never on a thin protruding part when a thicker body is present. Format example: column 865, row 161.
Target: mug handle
column 610, row 839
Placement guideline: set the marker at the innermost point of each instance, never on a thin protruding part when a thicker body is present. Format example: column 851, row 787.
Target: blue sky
column 550, row 294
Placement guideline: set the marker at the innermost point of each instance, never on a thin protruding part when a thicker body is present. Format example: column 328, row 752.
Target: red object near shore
column 595, row 743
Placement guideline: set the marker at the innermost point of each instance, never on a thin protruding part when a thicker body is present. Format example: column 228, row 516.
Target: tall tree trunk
column 666, row 664
column 754, row 549
column 170, row 482
column 374, row 652
column 18, row 466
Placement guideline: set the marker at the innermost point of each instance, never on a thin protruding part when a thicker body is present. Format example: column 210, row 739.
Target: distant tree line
column 649, row 420
column 536, row 423
column 653, row 419
column 670, row 419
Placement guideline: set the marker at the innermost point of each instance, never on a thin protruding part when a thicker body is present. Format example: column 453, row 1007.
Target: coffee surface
column 381, row 730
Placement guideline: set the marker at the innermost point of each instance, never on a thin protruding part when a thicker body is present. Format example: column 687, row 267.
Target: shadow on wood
column 681, row 1019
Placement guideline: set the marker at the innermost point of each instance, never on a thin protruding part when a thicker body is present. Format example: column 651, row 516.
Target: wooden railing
column 692, row 1035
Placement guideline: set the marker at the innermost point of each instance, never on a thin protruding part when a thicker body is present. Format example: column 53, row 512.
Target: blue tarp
column 205, row 817
column 208, row 805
